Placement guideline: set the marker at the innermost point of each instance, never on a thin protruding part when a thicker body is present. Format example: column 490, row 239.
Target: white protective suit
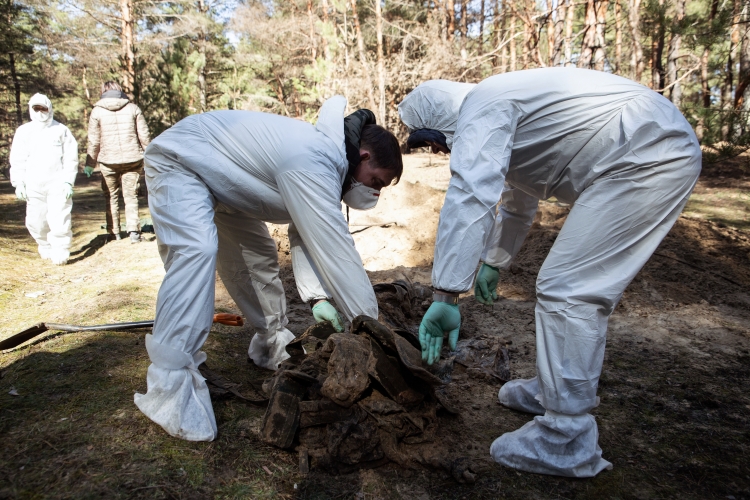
column 43, row 158
column 213, row 180
column 625, row 159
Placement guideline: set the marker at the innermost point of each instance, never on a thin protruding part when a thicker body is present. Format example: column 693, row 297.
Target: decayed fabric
column 123, row 179
column 44, row 159
column 213, row 179
column 625, row 158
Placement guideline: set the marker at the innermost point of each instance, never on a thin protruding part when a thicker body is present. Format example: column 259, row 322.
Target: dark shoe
column 135, row 237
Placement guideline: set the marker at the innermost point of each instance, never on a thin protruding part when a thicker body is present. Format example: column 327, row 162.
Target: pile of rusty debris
column 363, row 398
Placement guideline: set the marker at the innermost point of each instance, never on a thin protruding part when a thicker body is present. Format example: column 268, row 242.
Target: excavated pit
column 363, row 398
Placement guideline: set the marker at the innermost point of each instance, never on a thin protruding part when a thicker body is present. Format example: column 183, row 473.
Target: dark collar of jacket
column 116, row 94
column 353, row 126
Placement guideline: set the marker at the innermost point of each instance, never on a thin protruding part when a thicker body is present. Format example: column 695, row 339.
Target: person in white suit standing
column 43, row 168
column 625, row 159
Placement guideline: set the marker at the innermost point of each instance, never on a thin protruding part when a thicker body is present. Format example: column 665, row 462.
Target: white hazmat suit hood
column 41, row 118
column 435, row 105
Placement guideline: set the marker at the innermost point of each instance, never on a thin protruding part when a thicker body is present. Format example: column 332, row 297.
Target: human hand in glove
column 21, row 192
column 324, row 311
column 67, row 190
column 439, row 319
column 88, row 170
column 485, row 287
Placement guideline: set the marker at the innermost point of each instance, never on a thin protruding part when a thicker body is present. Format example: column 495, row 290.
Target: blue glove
column 439, row 319
column 88, row 170
column 67, row 190
column 324, row 311
column 485, row 287
column 21, row 192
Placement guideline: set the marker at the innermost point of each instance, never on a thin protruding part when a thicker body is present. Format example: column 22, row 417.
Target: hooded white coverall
column 44, row 157
column 213, row 180
column 625, row 159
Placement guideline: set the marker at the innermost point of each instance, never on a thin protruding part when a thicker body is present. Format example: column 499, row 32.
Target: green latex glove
column 439, row 319
column 21, row 192
column 88, row 170
column 485, row 287
column 67, row 190
column 324, row 311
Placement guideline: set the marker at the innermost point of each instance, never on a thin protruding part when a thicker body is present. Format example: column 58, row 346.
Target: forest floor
column 675, row 388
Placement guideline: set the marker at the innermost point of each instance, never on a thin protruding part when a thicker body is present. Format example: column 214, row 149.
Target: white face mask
column 39, row 116
column 361, row 197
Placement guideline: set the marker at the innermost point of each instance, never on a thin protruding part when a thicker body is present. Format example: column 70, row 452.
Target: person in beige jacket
column 118, row 136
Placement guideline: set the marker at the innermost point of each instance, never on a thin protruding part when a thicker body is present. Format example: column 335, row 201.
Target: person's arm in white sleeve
column 514, row 219
column 70, row 158
column 316, row 212
column 305, row 275
column 19, row 154
column 479, row 162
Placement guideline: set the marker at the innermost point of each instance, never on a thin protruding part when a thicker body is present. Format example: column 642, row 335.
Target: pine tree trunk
column 202, row 40
column 743, row 78
column 362, row 56
column 569, row 15
column 480, row 48
column 634, row 20
column 324, row 40
column 464, row 29
column 673, row 55
column 550, row 33
column 657, row 51
column 512, row 42
column 313, row 38
column 618, row 36
column 451, row 11
column 127, row 40
column 589, row 37
column 600, row 30
column 382, row 119
column 16, row 89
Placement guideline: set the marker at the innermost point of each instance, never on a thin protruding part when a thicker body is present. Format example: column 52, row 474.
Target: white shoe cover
column 520, row 394
column 59, row 257
column 44, row 252
column 555, row 444
column 177, row 396
column 268, row 350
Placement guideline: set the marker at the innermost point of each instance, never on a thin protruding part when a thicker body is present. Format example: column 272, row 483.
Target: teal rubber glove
column 21, row 192
column 324, row 311
column 439, row 319
column 485, row 287
column 88, row 170
column 67, row 190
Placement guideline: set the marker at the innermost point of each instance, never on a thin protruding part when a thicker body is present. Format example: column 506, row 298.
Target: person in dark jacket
column 118, row 136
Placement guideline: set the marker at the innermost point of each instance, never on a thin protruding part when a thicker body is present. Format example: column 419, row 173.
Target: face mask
column 39, row 116
column 361, row 197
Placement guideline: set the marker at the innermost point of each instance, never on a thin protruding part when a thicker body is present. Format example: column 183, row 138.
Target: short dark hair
column 384, row 149
column 110, row 85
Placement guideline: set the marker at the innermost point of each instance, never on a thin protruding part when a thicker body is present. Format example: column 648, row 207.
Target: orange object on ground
column 228, row 319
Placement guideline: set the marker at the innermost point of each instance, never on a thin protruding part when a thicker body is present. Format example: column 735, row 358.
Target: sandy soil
column 674, row 391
